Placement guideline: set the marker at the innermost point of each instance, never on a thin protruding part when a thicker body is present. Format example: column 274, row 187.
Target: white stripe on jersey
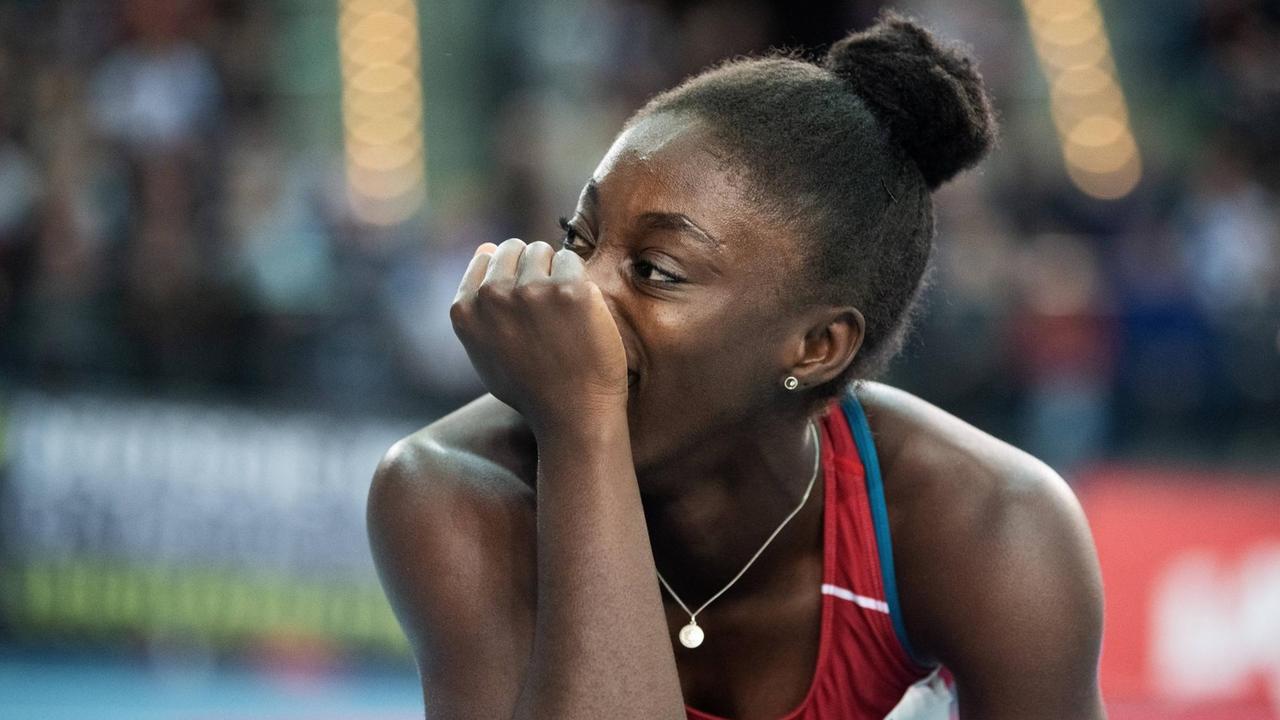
column 859, row 600
column 927, row 699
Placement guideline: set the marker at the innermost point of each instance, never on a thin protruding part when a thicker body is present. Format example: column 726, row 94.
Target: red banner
column 1191, row 568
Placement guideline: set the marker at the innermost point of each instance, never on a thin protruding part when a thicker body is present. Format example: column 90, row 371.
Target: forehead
column 659, row 140
column 671, row 163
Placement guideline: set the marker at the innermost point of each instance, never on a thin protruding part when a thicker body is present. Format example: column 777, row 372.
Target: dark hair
column 847, row 151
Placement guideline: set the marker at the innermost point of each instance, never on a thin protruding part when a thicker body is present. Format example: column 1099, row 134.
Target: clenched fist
column 540, row 335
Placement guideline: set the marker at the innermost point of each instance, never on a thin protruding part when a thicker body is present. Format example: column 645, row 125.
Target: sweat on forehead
column 670, row 164
column 670, row 144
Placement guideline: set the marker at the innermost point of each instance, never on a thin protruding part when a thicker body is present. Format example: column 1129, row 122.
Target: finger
column 502, row 268
column 567, row 266
column 535, row 263
column 475, row 271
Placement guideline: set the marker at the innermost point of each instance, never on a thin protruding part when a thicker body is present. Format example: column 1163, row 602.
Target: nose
column 608, row 272
column 605, row 269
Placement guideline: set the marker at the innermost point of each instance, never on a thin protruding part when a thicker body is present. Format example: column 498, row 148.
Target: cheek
column 722, row 355
column 708, row 367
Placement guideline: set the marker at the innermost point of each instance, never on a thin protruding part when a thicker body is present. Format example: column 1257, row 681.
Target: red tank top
column 865, row 664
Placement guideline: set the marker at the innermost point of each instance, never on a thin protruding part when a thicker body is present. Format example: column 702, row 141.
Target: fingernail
column 486, row 248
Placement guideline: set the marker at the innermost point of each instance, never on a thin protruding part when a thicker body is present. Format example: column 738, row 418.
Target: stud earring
column 791, row 383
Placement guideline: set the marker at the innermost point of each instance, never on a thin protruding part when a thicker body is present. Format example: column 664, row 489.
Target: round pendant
column 691, row 635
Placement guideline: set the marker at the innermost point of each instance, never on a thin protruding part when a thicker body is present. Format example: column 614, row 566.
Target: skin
column 517, row 537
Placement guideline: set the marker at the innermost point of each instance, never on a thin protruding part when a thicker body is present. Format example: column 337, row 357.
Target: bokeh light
column 1087, row 104
column 382, row 109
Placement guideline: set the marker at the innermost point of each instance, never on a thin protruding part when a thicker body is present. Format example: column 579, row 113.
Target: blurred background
column 230, row 231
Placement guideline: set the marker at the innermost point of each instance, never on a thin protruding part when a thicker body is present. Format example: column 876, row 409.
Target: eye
column 575, row 241
column 652, row 273
column 572, row 239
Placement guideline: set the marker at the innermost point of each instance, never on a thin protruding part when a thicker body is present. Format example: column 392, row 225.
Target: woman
column 683, row 497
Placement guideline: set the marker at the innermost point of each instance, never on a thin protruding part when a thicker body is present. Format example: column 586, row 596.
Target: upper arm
column 1017, row 615
column 436, row 549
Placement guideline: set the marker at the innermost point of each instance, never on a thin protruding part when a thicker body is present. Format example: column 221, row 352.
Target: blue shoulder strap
column 857, row 419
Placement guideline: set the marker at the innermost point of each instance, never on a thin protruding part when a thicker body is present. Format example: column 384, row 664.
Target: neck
column 711, row 510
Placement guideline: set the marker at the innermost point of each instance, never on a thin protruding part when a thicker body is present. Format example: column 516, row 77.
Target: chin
column 657, row 438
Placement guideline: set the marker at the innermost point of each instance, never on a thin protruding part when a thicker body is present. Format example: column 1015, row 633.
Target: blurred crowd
column 166, row 228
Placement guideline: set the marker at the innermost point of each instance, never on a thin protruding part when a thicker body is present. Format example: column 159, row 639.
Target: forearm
column 600, row 642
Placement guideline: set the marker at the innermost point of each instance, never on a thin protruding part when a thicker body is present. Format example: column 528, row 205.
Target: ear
column 828, row 346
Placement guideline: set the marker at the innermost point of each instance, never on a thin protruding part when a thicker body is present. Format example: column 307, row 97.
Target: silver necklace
column 691, row 635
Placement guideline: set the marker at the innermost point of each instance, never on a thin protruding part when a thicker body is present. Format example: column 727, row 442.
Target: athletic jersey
column 866, row 669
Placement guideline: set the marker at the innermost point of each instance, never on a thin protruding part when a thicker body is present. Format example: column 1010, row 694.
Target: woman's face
column 696, row 279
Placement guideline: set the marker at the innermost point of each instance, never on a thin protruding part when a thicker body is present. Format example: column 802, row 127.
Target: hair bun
column 929, row 97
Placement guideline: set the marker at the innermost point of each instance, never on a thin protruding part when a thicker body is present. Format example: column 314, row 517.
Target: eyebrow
column 660, row 220
column 680, row 223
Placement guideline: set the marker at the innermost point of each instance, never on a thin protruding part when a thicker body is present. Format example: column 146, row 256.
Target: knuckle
column 460, row 311
column 488, row 293
column 538, row 288
column 569, row 292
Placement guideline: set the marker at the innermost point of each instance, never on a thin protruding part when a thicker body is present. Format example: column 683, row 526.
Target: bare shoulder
column 996, row 568
column 452, row 526
column 446, row 484
column 480, row 444
column 939, row 451
column 449, row 484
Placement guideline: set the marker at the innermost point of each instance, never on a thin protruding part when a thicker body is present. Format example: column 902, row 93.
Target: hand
column 540, row 334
